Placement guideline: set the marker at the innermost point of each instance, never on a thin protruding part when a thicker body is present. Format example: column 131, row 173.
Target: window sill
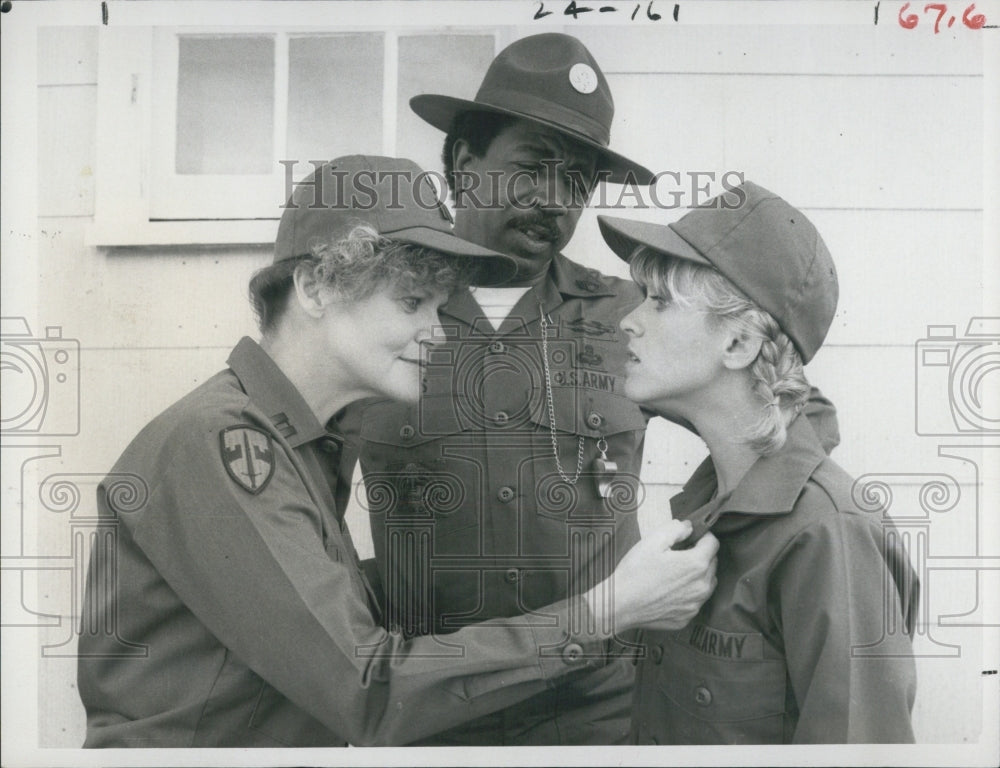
column 113, row 234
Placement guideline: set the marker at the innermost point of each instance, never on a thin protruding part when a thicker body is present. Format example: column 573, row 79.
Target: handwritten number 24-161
column 909, row 21
column 574, row 10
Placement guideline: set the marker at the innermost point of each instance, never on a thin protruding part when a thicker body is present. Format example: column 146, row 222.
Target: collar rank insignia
column 589, row 357
column 591, row 327
column 248, row 456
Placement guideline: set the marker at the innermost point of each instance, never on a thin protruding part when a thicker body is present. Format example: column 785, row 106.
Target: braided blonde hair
column 777, row 378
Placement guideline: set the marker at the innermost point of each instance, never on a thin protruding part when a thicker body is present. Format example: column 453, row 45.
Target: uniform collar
column 564, row 278
column 572, row 279
column 273, row 393
column 770, row 487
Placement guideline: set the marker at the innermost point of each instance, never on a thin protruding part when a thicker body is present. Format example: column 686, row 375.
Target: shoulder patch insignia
column 248, row 456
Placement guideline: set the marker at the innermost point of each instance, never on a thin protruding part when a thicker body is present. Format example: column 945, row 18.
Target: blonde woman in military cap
column 803, row 641
column 230, row 609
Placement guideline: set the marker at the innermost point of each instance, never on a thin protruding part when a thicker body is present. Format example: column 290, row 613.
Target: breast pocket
column 694, row 699
column 598, row 435
column 410, row 477
column 590, row 412
column 587, row 382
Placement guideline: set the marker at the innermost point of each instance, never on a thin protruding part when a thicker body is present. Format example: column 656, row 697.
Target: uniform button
column 594, row 420
column 329, row 445
column 511, row 576
column 657, row 654
column 501, row 417
column 572, row 653
column 497, row 347
column 505, row 494
column 702, row 696
column 407, row 432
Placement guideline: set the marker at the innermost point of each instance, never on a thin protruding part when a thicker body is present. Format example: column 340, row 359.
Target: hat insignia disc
column 583, row 78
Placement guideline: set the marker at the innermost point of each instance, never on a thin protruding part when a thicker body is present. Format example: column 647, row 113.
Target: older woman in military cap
column 230, row 609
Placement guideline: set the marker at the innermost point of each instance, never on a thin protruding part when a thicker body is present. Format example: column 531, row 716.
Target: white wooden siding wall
column 880, row 145
column 152, row 324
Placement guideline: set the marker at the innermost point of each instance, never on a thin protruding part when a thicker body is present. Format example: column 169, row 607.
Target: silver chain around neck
column 552, row 408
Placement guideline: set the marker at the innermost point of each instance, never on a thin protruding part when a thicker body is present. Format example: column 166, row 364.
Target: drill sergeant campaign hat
column 552, row 80
column 766, row 247
column 394, row 196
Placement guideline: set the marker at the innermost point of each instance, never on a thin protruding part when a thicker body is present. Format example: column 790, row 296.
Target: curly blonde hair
column 354, row 267
column 777, row 378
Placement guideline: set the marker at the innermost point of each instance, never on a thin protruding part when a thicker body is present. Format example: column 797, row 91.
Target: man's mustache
column 539, row 221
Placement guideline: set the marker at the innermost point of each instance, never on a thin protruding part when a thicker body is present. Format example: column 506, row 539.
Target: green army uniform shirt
column 227, row 606
column 807, row 637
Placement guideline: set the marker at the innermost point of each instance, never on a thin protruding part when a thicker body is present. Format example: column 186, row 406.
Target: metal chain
column 552, row 408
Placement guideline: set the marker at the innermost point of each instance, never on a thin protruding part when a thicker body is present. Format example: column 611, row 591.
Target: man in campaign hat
column 514, row 481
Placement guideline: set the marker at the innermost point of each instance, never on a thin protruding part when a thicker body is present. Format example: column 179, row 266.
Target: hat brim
column 623, row 236
column 440, row 111
column 490, row 267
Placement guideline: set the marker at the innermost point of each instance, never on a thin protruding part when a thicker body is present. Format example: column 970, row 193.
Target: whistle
column 604, row 470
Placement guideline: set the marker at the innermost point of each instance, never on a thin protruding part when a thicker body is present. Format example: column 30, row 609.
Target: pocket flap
column 408, row 424
column 721, row 690
column 593, row 414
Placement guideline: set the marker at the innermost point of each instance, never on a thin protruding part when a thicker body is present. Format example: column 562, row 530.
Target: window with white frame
column 194, row 124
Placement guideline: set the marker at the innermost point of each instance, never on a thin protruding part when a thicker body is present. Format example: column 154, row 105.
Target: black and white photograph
column 500, row 383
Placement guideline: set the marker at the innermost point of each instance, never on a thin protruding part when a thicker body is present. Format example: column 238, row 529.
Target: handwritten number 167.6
column 909, row 21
